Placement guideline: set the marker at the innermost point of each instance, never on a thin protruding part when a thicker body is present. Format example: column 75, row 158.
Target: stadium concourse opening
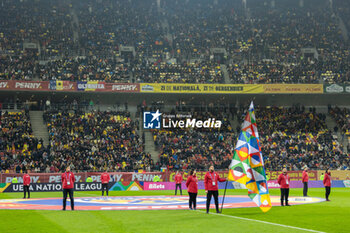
column 141, row 202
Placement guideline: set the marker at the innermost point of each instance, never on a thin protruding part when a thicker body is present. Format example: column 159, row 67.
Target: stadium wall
column 98, row 86
column 110, row 98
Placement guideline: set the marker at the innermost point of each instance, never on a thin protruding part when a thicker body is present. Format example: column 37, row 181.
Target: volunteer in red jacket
column 283, row 181
column 68, row 180
column 305, row 180
column 178, row 180
column 327, row 182
column 105, row 180
column 192, row 189
column 26, row 184
column 211, row 187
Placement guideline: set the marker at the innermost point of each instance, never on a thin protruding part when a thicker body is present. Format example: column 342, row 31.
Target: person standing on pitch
column 105, row 180
column 192, row 189
column 327, row 182
column 283, row 181
column 178, row 180
column 305, row 180
column 68, row 180
column 26, row 184
column 211, row 179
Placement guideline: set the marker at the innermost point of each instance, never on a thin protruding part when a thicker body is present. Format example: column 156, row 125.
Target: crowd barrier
column 154, row 186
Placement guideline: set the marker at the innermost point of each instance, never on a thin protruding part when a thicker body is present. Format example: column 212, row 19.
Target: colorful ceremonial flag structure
column 247, row 166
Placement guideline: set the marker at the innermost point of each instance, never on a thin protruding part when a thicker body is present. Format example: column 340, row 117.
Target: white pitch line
column 260, row 221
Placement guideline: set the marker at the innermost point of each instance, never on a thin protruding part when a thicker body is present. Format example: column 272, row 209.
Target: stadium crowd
column 341, row 116
column 270, row 71
column 83, row 40
column 106, row 25
column 18, row 67
column 45, row 23
column 291, row 137
column 96, row 141
column 296, row 138
column 18, row 146
column 92, row 141
column 85, row 69
column 278, row 41
column 196, row 149
column 263, row 43
column 198, row 72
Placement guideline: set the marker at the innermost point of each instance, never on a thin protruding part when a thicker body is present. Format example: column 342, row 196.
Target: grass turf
column 325, row 216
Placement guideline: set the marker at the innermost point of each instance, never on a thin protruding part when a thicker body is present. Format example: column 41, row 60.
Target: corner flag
column 247, row 166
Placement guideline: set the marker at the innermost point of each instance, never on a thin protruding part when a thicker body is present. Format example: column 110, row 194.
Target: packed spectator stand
column 197, row 148
column 291, row 137
column 87, row 68
column 17, row 142
column 295, row 137
column 93, row 140
column 342, row 118
column 172, row 42
column 198, row 72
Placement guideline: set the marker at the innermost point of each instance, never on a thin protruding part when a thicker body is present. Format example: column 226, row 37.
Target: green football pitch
column 331, row 216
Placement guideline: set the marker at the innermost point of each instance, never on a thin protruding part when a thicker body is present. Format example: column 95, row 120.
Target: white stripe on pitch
column 260, row 221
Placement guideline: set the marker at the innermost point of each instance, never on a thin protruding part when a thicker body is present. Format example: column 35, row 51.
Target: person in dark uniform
column 68, row 180
column 211, row 179
column 283, row 181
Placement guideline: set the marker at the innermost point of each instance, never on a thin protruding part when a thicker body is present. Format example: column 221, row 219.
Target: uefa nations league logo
column 151, row 120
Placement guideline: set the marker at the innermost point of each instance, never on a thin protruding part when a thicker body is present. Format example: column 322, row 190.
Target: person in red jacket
column 105, row 180
column 327, row 182
column 192, row 189
column 283, row 181
column 178, row 180
column 68, row 180
column 26, row 184
column 211, row 179
column 305, row 180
